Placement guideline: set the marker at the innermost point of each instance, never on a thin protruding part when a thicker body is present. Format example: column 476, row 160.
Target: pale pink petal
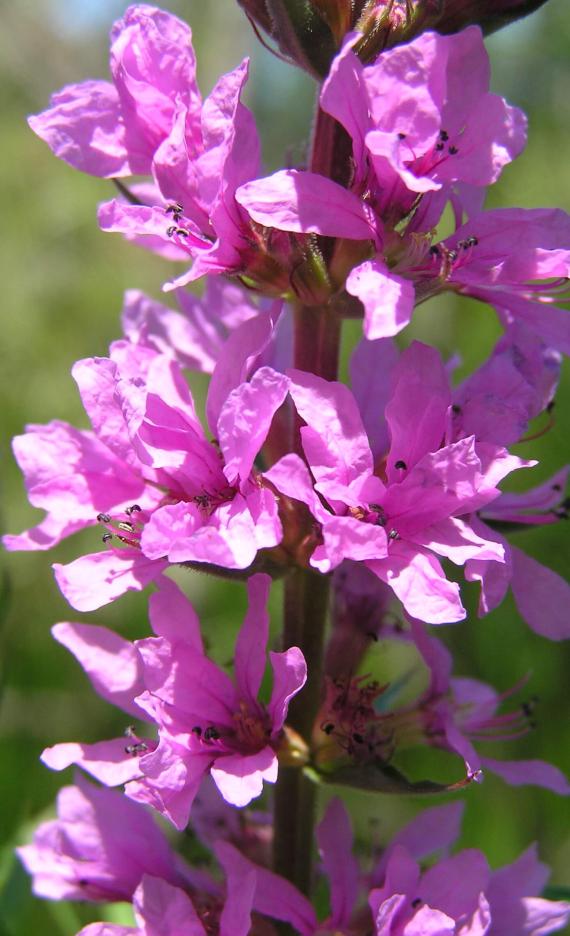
column 542, row 597
column 111, row 662
column 290, row 475
column 510, row 884
column 307, row 204
column 540, row 917
column 107, row 761
column 92, row 581
column 83, row 127
column 334, row 439
column 348, row 538
column 240, row 778
column 388, row 299
column 245, row 420
column 107, row 929
column 456, row 540
column 237, row 357
column 418, row 580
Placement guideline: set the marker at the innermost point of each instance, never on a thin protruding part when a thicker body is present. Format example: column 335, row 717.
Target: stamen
column 400, row 465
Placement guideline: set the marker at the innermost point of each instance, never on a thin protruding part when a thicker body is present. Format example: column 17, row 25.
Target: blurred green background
column 62, row 284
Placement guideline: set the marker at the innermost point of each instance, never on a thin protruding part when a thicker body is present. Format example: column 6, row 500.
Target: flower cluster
column 357, row 497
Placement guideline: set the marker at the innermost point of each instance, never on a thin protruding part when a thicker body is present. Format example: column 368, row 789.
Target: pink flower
column 148, row 471
column 422, row 502
column 422, row 121
column 207, row 723
column 98, row 848
column 114, row 129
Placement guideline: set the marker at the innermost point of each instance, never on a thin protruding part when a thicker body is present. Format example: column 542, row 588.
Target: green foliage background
column 62, row 282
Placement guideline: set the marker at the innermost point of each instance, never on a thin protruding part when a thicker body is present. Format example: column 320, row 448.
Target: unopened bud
column 292, row 751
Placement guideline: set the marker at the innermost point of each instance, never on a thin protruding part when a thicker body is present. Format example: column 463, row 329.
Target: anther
column 171, row 231
column 211, row 733
column 471, row 241
column 126, row 527
column 452, row 255
column 106, row 538
column 175, row 208
column 103, row 518
column 135, row 749
column 439, row 147
column 444, row 135
column 434, row 251
column 197, row 731
column 455, row 408
column 401, row 465
column 556, row 487
column 133, row 509
column 416, row 902
column 453, row 151
column 328, row 728
column 401, row 136
column 393, row 535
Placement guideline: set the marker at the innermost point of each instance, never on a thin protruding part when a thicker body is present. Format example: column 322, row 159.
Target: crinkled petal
column 418, row 580
column 251, row 645
column 388, row 299
column 371, row 367
column 161, row 908
column 246, row 418
column 170, row 782
column 172, row 616
column 241, row 885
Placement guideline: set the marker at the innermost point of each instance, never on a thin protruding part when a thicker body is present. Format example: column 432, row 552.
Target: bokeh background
column 62, row 284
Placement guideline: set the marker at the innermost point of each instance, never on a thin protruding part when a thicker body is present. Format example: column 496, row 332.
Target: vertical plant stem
column 306, row 600
column 305, row 615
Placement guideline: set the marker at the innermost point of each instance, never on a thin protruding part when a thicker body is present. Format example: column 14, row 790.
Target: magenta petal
column 432, row 830
column 388, row 299
column 241, row 884
column 92, row 581
column 348, row 538
column 170, row 782
column 291, row 476
column 239, row 777
column 335, row 841
column 250, row 649
column 542, row 597
column 418, row 580
column 245, row 420
column 111, row 662
column 529, row 772
column 307, row 203
column 289, row 677
column 236, row 359
column 83, row 127
column 274, row 896
column 371, row 367
column 334, row 440
column 416, row 413
column 172, row 616
column 107, row 761
column 454, row 884
column 165, row 910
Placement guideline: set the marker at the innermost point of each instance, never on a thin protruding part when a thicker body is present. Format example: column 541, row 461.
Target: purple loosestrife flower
column 207, row 723
column 148, row 471
column 98, row 848
column 394, row 514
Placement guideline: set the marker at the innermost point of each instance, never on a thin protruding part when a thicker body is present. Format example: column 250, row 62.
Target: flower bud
column 489, row 14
